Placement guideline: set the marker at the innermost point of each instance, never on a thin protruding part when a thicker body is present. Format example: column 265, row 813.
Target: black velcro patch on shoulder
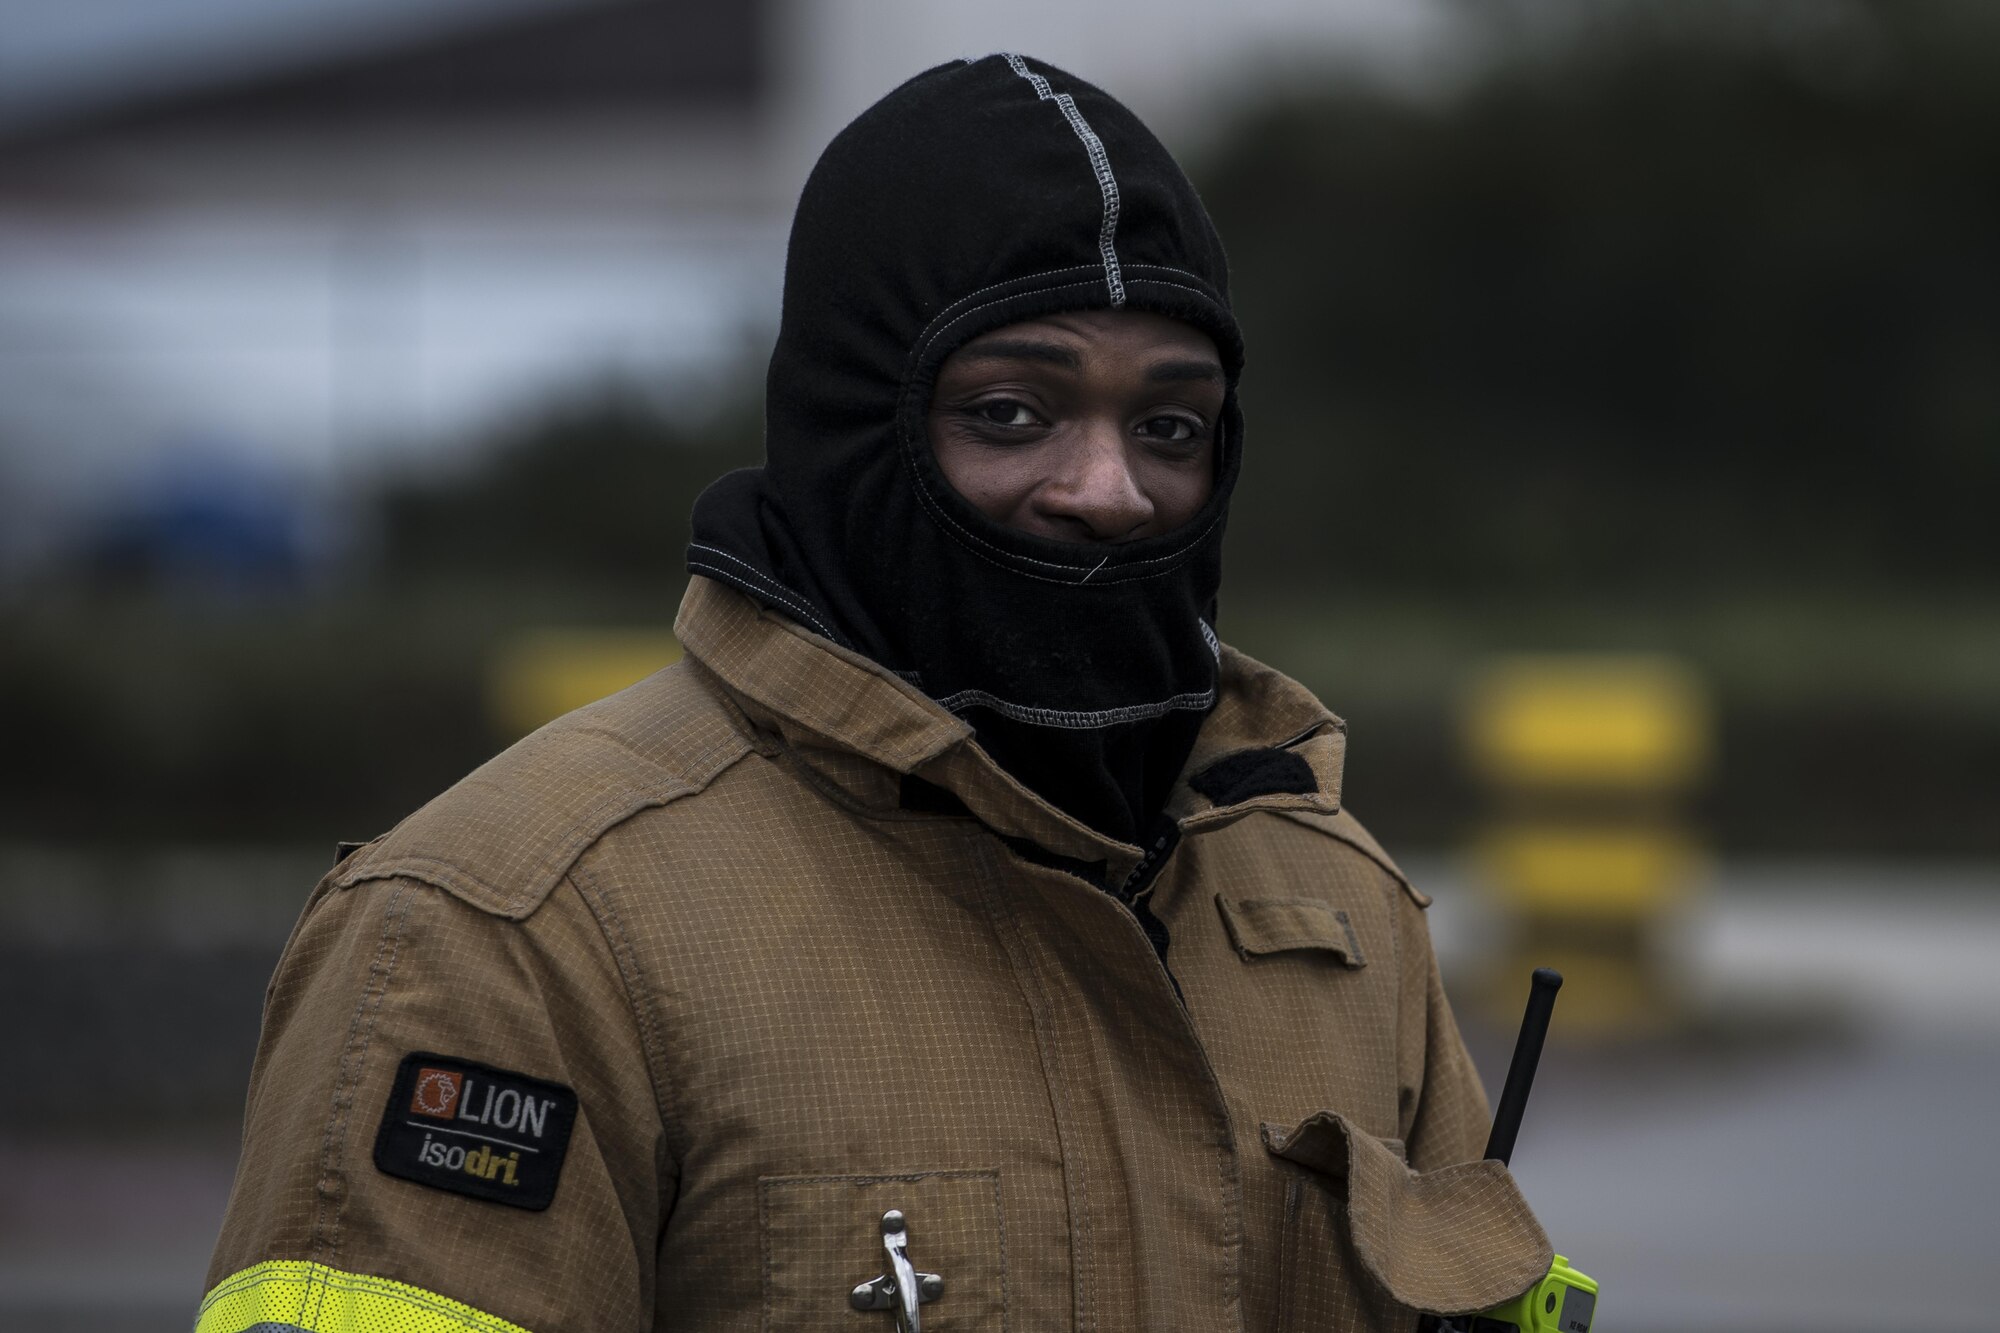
column 1238, row 777
column 470, row 1128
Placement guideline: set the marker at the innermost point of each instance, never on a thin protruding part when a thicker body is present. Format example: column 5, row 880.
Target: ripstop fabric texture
column 786, row 1004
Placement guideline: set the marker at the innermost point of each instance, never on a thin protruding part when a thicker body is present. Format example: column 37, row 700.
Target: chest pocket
column 1314, row 1005
column 822, row 1237
column 1262, row 926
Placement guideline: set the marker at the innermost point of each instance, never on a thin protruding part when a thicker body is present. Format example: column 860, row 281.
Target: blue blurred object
column 209, row 521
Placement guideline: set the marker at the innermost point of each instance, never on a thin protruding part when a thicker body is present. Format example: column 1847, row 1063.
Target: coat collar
column 835, row 706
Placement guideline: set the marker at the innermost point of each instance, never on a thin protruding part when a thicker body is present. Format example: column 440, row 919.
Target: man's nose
column 1094, row 490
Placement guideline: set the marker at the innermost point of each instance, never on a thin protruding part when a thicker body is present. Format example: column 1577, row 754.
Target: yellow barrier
column 1639, row 723
column 1587, row 870
column 1585, row 759
column 541, row 674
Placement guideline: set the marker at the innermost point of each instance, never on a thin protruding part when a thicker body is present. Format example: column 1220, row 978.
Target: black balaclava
column 979, row 194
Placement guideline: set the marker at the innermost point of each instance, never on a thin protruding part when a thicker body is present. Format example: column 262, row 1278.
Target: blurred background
column 1624, row 397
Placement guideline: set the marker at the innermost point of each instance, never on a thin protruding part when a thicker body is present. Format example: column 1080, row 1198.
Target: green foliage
column 1695, row 295
column 595, row 491
column 138, row 712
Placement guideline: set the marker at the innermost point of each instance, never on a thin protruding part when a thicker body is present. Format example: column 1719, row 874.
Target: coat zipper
column 1136, row 893
column 1140, row 882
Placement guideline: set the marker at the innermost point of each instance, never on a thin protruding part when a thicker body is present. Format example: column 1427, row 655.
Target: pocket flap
column 1260, row 926
column 1453, row 1241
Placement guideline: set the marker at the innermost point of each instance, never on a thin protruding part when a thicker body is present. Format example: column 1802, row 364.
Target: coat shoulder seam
column 1345, row 828
column 503, row 837
column 597, row 902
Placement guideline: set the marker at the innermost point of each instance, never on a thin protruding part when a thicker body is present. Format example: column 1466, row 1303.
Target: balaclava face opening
column 979, row 194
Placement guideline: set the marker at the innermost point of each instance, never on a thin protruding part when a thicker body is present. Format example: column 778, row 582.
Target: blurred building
column 381, row 240
column 330, row 230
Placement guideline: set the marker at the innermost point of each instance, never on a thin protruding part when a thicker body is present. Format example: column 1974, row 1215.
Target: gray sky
column 188, row 319
column 54, row 55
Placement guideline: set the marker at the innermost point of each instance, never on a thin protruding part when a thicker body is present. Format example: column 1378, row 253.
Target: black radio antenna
column 1527, row 1055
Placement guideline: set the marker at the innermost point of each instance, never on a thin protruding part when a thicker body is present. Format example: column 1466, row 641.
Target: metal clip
column 902, row 1288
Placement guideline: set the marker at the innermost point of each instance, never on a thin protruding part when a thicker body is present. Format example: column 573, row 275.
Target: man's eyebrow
column 1169, row 372
column 1022, row 349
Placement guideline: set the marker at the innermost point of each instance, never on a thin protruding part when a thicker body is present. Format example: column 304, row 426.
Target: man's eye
column 1177, row 430
column 1005, row 412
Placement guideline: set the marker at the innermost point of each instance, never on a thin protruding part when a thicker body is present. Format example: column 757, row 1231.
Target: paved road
column 99, row 1237
column 1838, row 1187
column 1836, row 1175
column 1827, row 1158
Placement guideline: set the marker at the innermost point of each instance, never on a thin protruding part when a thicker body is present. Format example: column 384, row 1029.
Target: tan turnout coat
column 786, row 1003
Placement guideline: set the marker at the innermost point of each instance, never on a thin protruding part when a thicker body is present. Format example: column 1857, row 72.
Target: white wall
column 323, row 299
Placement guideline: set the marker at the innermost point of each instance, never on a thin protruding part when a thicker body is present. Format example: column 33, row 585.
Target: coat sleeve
column 1444, row 1110
column 452, row 1125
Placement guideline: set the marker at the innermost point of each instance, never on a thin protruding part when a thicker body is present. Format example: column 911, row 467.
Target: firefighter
column 961, row 931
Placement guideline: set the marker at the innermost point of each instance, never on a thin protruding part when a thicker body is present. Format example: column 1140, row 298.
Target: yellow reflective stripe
column 283, row 1295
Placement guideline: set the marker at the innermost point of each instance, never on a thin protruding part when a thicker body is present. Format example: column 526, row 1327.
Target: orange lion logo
column 437, row 1093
